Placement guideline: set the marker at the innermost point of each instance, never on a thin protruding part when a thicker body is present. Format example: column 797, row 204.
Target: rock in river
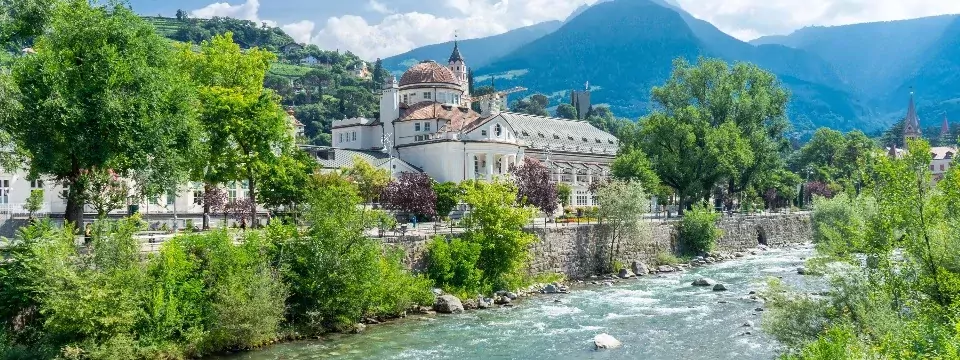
column 625, row 274
column 550, row 289
column 640, row 269
column 448, row 304
column 604, row 341
column 665, row 268
column 719, row 287
column 703, row 282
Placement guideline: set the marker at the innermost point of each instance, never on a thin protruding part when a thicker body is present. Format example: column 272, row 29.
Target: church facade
column 426, row 124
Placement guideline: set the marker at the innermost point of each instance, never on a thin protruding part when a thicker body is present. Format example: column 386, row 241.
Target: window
column 36, row 184
column 483, row 133
column 941, row 167
column 456, row 99
column 585, row 140
column 354, row 136
column 442, row 97
column 525, row 133
column 198, row 197
column 555, row 136
column 426, row 95
column 418, row 138
column 581, row 198
column 540, row 134
column 171, row 197
column 405, row 99
column 4, row 191
column 341, row 137
column 931, row 167
column 498, row 130
column 476, row 165
column 569, row 137
column 426, row 126
column 416, row 127
column 598, row 141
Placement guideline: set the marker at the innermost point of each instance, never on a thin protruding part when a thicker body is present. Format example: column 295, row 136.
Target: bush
column 839, row 224
column 698, row 232
column 665, row 258
column 453, row 266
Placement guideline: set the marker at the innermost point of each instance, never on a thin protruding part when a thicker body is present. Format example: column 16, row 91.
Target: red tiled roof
column 457, row 116
column 428, row 72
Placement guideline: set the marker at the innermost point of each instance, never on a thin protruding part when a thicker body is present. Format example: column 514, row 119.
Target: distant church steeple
column 944, row 127
column 459, row 67
column 911, row 124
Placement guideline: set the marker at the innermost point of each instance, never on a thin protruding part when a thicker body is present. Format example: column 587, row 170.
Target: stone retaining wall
column 578, row 251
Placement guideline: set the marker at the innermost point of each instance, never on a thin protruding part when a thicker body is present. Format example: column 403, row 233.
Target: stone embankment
column 581, row 251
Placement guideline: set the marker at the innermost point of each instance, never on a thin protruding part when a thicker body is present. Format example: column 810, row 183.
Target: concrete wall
column 581, row 251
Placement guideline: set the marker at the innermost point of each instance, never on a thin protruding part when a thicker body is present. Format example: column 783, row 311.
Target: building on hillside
column 581, row 101
column 942, row 157
column 426, row 122
column 360, row 70
column 291, row 47
column 298, row 129
column 310, row 60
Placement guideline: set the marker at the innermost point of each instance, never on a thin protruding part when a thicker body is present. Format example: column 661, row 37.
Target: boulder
column 604, row 341
column 719, row 287
column 665, row 268
column 448, row 304
column 625, row 274
column 484, row 303
column 357, row 328
column 469, row 304
column 738, row 254
column 550, row 289
column 502, row 300
column 802, row 271
column 437, row 292
column 510, row 296
column 703, row 282
column 747, row 324
column 639, row 268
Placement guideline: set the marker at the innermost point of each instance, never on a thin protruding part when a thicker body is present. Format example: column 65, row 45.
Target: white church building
column 426, row 124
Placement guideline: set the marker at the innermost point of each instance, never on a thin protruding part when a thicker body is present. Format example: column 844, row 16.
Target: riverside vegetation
column 892, row 257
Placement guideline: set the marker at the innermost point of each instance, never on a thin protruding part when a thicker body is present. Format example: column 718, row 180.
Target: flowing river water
column 656, row 317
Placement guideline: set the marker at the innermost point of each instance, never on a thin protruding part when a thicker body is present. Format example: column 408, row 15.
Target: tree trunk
column 207, row 188
column 74, row 213
column 253, row 197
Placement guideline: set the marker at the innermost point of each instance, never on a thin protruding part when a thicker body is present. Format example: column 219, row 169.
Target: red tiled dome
column 428, row 72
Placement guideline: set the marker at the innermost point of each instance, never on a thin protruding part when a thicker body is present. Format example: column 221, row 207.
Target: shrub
column 453, row 265
column 665, row 258
column 839, row 224
column 698, row 232
column 495, row 224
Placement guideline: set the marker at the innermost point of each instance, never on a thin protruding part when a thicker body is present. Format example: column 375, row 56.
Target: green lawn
column 289, row 70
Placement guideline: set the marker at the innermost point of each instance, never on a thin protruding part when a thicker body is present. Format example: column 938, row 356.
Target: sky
column 382, row 28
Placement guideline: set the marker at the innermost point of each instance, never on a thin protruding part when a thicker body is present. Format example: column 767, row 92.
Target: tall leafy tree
column 566, row 111
column 622, row 206
column 243, row 125
column 535, row 105
column 448, row 196
column 411, row 193
column 369, row 180
column 535, row 186
column 714, row 124
column 102, row 91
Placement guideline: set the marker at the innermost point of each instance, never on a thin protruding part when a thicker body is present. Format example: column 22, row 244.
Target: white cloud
column 300, row 31
column 748, row 19
column 379, row 7
column 247, row 11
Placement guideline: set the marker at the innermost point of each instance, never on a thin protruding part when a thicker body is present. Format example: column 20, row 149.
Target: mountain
column 936, row 80
column 873, row 58
column 478, row 52
column 625, row 47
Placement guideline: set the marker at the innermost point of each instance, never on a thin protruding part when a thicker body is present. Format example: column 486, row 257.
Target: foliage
column 102, row 91
column 104, row 190
column 566, row 111
column 411, row 193
column 369, row 180
column 240, row 210
column 535, row 186
column 564, row 191
column 633, row 165
column 714, row 125
column 834, row 158
column 215, row 199
column 335, row 272
column 23, row 20
column 665, row 258
column 896, row 289
column 286, row 180
column 622, row 206
column 495, row 223
column 248, row 33
column 452, row 265
column 448, row 196
column 34, row 202
column 698, row 231
column 534, row 105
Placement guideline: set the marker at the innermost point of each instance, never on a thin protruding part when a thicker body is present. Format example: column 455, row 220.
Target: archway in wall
column 761, row 236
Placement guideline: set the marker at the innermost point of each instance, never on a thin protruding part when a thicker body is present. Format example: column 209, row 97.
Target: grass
column 665, row 258
column 165, row 26
column 289, row 70
column 547, row 278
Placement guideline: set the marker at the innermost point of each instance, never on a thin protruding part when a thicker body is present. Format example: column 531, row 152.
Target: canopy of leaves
column 495, row 222
column 411, row 193
column 535, row 185
column 534, row 105
column 448, row 196
column 834, row 158
column 247, row 33
column 566, row 111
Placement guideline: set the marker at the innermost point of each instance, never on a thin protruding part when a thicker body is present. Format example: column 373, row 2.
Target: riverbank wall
column 579, row 251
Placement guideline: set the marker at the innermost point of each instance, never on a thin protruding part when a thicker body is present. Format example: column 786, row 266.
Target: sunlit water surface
column 656, row 317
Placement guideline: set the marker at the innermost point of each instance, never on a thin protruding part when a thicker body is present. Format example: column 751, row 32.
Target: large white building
column 426, row 124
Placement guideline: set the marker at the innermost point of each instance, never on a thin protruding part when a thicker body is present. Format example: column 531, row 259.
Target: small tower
column 390, row 101
column 911, row 124
column 945, row 127
column 459, row 68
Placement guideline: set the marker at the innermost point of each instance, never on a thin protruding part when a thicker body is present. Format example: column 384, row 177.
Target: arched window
column 498, row 130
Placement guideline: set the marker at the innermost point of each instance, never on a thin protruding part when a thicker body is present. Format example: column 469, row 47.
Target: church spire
column 455, row 56
column 945, row 126
column 911, row 124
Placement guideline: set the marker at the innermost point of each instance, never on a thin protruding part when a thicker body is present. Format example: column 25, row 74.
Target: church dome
column 428, row 72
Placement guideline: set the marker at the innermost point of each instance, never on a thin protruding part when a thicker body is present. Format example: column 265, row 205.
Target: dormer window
column 610, row 141
column 498, row 130
column 426, row 95
column 557, row 137
column 585, row 140
column 949, row 155
column 524, row 133
column 405, row 99
column 540, row 134
column 569, row 137
column 598, row 141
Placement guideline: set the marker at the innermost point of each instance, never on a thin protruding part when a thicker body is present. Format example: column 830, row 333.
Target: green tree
column 634, row 166
column 534, row 105
column 287, row 180
column 622, row 206
column 102, row 91
column 34, row 202
column 242, row 122
column 564, row 192
column 714, row 125
column 566, row 111
column 369, row 180
column 496, row 223
column 448, row 196
column 698, row 231
column 23, row 20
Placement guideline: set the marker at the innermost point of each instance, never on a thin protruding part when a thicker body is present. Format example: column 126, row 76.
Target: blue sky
column 381, row 28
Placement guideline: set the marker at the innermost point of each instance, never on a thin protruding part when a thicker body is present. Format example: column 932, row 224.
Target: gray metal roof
column 344, row 157
column 540, row 132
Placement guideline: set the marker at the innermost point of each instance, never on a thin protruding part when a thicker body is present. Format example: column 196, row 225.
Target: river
column 656, row 317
